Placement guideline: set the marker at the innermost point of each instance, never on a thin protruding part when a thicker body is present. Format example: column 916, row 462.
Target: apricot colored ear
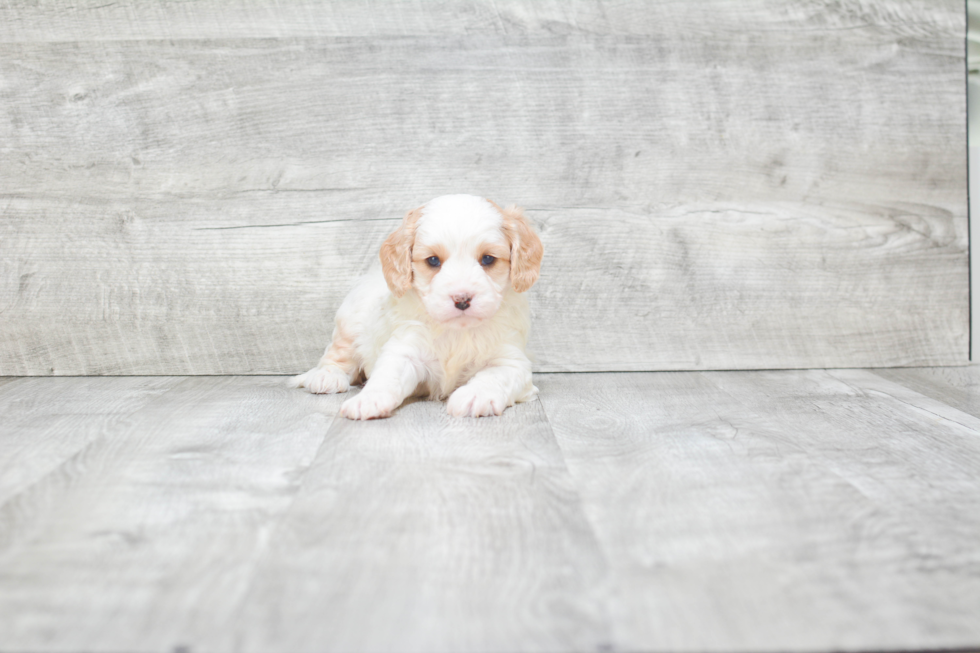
column 525, row 249
column 396, row 254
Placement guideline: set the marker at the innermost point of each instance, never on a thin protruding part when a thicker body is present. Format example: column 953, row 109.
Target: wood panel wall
column 192, row 187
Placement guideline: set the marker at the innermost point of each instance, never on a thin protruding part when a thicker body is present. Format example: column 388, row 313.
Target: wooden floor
column 726, row 511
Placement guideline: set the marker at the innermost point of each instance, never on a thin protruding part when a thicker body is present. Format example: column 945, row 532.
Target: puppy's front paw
column 322, row 380
column 468, row 401
column 369, row 404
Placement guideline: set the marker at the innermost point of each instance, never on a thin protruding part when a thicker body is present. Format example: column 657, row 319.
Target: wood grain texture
column 45, row 424
column 719, row 512
column 5, row 380
column 93, row 20
column 931, row 404
column 956, row 386
column 717, row 185
column 149, row 294
column 428, row 533
column 692, row 293
column 145, row 538
column 799, row 511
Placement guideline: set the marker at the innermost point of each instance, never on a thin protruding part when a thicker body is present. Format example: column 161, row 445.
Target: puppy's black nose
column 462, row 302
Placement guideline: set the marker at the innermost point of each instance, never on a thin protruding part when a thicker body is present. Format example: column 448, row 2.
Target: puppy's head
column 461, row 253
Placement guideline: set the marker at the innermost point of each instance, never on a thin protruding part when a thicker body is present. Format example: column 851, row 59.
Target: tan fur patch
column 420, row 253
column 341, row 352
column 396, row 254
column 499, row 269
column 526, row 250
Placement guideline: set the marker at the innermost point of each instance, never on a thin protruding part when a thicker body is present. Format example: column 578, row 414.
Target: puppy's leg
column 395, row 376
column 335, row 371
column 506, row 381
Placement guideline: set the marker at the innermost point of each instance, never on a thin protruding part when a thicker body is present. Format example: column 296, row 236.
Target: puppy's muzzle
column 462, row 302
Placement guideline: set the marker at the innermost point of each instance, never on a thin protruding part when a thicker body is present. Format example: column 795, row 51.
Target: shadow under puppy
column 443, row 316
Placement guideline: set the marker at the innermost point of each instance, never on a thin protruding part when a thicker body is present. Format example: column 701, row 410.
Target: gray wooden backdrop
column 191, row 187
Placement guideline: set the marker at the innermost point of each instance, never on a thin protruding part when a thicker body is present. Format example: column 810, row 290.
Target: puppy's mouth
column 452, row 316
column 463, row 321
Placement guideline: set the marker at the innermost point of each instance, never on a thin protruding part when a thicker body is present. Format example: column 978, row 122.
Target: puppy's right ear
column 396, row 254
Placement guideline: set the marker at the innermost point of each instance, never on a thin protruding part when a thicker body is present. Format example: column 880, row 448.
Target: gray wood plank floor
column 816, row 510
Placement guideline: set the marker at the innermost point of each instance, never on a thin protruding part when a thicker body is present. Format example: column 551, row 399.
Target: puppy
column 443, row 316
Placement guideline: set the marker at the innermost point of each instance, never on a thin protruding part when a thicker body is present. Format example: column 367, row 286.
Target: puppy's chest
column 457, row 357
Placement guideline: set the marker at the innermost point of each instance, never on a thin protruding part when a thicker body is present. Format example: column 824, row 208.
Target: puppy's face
column 460, row 253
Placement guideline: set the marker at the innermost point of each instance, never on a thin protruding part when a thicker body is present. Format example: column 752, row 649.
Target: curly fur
column 401, row 327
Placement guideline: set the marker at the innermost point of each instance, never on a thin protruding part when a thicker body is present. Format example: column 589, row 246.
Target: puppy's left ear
column 396, row 254
column 525, row 249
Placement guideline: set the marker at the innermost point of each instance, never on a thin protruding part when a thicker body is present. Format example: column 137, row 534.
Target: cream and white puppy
column 443, row 315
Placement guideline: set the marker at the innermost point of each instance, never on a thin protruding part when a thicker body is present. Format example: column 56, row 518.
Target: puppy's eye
column 433, row 261
column 487, row 260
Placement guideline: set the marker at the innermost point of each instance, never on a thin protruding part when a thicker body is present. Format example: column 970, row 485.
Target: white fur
column 421, row 343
